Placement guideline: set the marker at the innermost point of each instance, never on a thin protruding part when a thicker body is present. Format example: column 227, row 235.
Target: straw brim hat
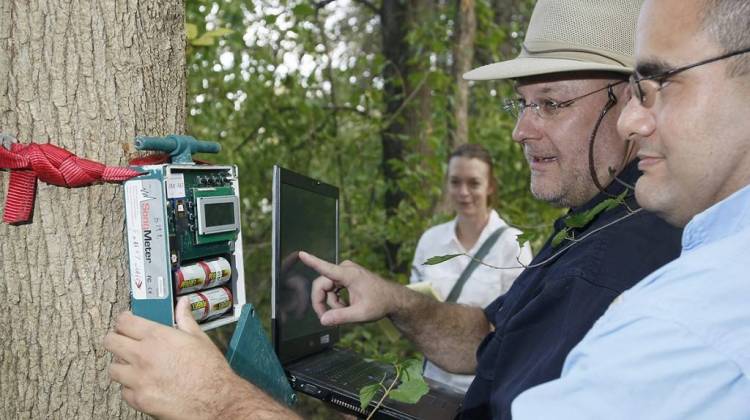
column 570, row 36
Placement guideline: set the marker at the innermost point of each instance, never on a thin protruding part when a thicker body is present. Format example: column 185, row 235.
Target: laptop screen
column 305, row 218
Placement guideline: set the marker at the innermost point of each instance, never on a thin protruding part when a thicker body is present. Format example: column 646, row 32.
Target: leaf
column 412, row 368
column 620, row 199
column 219, row 32
column 388, row 330
column 584, row 218
column 191, row 31
column 270, row 19
column 203, row 41
column 524, row 237
column 440, row 259
column 559, row 237
column 366, row 394
column 303, row 10
column 410, row 391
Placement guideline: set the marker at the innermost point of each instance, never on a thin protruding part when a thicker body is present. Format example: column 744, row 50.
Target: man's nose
column 527, row 127
column 636, row 121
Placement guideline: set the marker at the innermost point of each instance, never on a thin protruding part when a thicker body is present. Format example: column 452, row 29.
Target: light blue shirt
column 676, row 345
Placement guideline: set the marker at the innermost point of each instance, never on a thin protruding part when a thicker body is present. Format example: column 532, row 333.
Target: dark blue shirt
column 550, row 308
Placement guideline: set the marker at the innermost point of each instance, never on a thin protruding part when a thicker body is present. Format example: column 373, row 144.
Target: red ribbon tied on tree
column 53, row 165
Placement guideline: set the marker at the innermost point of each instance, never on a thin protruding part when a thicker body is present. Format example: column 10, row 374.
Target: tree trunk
column 408, row 103
column 87, row 76
column 512, row 16
column 393, row 17
column 463, row 61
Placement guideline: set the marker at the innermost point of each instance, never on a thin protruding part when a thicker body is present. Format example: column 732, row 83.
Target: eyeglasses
column 645, row 88
column 548, row 108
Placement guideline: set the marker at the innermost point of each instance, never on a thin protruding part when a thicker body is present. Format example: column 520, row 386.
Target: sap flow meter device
column 183, row 231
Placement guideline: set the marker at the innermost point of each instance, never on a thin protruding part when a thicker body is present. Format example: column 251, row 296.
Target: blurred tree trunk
column 463, row 61
column 86, row 76
column 418, row 112
column 395, row 51
column 408, row 103
column 506, row 13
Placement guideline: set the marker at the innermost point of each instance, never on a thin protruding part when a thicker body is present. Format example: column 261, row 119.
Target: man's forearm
column 243, row 400
column 447, row 333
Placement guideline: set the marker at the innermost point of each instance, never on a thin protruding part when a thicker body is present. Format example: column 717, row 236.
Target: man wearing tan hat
column 571, row 86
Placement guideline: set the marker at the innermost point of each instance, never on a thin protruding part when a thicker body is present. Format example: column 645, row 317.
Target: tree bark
column 87, row 76
column 393, row 17
column 463, row 61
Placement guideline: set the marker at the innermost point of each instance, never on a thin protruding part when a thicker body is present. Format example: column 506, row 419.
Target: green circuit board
column 208, row 193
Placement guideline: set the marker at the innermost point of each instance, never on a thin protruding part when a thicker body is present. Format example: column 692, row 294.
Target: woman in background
column 477, row 230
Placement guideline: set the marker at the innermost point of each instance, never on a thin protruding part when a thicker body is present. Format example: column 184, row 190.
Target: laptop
column 305, row 218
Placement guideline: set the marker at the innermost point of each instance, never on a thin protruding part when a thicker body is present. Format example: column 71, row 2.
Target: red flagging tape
column 53, row 165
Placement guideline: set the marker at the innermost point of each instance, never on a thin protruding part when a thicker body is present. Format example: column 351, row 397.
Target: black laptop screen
column 306, row 219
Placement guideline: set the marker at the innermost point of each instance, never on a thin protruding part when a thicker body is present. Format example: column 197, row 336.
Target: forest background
column 365, row 95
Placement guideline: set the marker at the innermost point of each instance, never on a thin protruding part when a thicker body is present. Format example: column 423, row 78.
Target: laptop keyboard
column 349, row 370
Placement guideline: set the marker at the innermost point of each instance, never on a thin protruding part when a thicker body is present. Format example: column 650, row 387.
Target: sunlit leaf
column 366, row 394
column 219, row 32
column 191, row 31
column 389, row 330
column 203, row 41
column 440, row 259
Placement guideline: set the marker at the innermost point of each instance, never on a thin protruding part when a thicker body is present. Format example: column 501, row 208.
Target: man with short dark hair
column 677, row 345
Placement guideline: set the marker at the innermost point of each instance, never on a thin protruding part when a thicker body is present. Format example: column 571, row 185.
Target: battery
column 202, row 275
column 210, row 303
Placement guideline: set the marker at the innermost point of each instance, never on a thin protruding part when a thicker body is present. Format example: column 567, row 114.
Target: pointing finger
column 332, row 271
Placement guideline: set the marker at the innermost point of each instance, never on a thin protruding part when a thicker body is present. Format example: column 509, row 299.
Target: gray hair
column 728, row 23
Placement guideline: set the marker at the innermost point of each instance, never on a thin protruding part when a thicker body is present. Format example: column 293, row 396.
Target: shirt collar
column 493, row 223
column 723, row 219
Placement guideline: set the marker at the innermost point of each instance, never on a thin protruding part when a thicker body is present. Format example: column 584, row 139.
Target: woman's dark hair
column 476, row 151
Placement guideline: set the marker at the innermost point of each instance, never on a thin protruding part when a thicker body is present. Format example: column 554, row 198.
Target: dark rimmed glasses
column 645, row 88
column 548, row 108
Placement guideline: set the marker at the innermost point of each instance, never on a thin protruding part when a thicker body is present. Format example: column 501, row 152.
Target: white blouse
column 485, row 283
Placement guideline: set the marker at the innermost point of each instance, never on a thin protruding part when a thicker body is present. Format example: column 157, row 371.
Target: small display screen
column 218, row 214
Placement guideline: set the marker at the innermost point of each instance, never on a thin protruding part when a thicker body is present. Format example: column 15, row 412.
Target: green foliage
column 367, row 393
column 411, row 385
column 580, row 220
column 440, row 259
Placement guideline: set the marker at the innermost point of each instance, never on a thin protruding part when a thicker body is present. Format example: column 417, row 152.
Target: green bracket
column 180, row 148
column 251, row 356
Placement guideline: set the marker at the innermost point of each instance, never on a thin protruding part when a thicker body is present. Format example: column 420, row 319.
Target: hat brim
column 530, row 66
